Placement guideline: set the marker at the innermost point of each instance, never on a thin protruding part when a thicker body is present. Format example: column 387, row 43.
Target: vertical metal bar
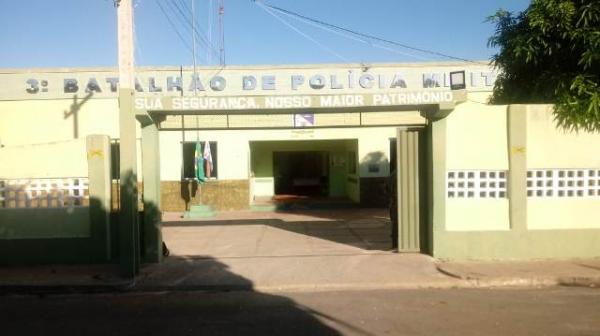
column 399, row 193
column 408, row 190
column 194, row 40
column 415, row 188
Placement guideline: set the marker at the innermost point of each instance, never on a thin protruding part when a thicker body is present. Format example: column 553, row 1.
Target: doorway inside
column 311, row 173
column 304, row 173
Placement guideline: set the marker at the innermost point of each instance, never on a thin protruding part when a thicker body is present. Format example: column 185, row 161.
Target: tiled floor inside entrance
column 274, row 234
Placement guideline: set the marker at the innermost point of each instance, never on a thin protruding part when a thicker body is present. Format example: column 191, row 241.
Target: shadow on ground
column 278, row 233
column 209, row 312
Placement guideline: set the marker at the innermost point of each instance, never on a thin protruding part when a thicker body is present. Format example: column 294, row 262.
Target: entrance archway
column 411, row 163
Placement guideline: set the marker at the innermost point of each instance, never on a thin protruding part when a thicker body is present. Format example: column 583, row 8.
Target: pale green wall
column 477, row 214
column 43, row 121
column 353, row 180
column 69, row 234
column 517, row 245
column 338, row 170
column 542, row 227
column 62, row 159
column 374, row 151
column 476, row 139
column 549, row 147
column 563, row 213
column 47, row 160
column 39, row 223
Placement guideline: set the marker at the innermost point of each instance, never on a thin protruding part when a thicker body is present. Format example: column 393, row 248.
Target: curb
column 110, row 289
column 454, row 280
column 452, row 284
column 84, row 289
column 549, row 281
column 64, row 289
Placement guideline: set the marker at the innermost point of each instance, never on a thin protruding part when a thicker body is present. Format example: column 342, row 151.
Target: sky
column 82, row 33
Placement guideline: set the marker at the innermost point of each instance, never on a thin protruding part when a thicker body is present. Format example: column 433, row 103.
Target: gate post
column 407, row 189
column 152, row 248
column 98, row 158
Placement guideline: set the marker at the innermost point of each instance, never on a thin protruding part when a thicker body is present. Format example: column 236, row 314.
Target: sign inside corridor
column 292, row 102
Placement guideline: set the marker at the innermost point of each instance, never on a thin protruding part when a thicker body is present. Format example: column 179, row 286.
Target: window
column 189, row 149
column 477, row 184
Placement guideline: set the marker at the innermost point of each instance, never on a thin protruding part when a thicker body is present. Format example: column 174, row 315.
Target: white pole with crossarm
column 129, row 252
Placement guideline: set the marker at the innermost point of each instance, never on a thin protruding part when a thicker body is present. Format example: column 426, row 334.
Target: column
column 151, row 193
column 517, row 161
column 98, row 157
column 129, row 252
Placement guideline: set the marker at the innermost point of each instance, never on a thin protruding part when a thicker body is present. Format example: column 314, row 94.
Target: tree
column 550, row 53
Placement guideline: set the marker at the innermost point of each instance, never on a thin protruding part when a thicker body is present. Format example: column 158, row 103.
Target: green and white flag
column 199, row 163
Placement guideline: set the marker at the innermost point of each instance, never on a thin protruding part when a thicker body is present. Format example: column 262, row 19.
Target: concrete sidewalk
column 303, row 273
column 299, row 273
column 372, row 271
column 305, row 250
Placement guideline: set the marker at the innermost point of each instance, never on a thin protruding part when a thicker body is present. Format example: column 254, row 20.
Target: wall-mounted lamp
column 457, row 80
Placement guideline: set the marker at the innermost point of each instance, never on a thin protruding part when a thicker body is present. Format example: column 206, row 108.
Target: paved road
column 556, row 311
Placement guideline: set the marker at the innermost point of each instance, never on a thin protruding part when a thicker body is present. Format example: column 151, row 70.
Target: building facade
column 481, row 181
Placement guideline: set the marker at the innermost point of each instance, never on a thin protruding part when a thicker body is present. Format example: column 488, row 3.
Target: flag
column 199, row 163
column 208, row 159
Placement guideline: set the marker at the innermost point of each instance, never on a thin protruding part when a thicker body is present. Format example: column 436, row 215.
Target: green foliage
column 550, row 53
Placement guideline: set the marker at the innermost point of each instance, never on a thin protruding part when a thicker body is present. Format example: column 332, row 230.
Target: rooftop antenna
column 194, row 52
column 209, row 30
column 194, row 41
column 221, row 33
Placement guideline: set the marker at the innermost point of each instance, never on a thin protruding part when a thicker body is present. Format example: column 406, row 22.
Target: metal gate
column 408, row 190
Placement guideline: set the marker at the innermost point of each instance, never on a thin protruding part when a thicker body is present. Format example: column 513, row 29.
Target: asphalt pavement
column 548, row 311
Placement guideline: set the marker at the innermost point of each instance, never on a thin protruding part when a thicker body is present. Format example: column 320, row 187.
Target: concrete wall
column 43, row 121
column 569, row 151
column 65, row 159
column 522, row 140
column 51, row 160
column 221, row 195
column 61, row 233
column 57, row 125
column 476, row 137
column 44, row 223
column 552, row 147
column 476, row 140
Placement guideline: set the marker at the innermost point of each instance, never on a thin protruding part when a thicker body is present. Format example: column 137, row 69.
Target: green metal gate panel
column 407, row 144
